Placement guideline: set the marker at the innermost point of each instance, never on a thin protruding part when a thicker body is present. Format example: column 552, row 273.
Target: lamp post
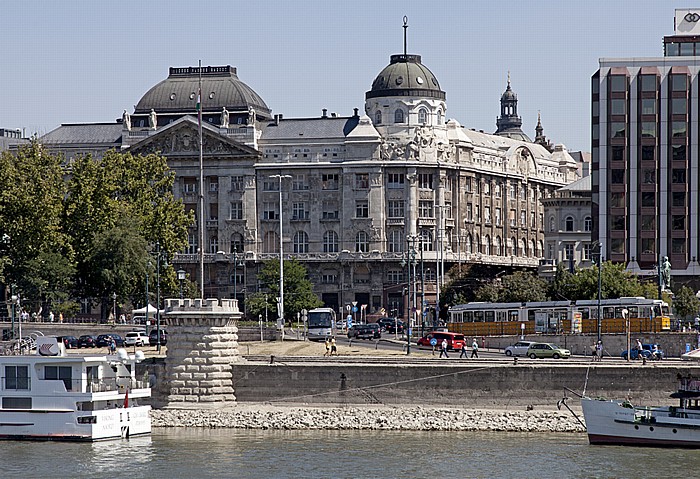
column 181, row 278
column 626, row 316
column 148, row 268
column 114, row 306
column 600, row 269
column 160, row 255
column 14, row 297
column 280, row 306
column 409, row 261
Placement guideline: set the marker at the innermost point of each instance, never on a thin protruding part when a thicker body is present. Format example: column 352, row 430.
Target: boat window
column 64, row 373
column 16, row 403
column 16, row 377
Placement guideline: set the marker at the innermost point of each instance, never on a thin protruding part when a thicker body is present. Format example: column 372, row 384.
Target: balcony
column 395, row 221
column 213, row 223
column 426, row 221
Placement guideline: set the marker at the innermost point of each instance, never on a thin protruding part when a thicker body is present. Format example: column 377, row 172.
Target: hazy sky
column 76, row 61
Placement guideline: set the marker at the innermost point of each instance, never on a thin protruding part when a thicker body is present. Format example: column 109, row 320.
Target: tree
column 298, row 292
column 686, row 303
column 515, row 288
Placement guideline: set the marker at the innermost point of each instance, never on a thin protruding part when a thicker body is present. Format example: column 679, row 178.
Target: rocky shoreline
column 415, row 418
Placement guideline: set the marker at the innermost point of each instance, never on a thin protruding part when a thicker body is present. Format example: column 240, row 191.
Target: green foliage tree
column 686, row 303
column 514, row 288
column 298, row 292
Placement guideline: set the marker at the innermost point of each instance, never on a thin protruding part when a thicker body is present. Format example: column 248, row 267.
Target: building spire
column 508, row 87
column 405, row 29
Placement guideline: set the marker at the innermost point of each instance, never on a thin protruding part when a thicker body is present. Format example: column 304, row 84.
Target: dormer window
column 399, row 116
column 378, row 117
column 423, row 116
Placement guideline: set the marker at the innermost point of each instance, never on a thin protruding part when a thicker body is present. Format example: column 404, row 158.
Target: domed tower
column 225, row 99
column 405, row 95
column 509, row 123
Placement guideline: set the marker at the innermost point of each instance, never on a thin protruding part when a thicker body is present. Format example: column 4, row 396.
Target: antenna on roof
column 405, row 28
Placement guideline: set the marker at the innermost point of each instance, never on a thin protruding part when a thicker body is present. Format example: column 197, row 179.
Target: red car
column 455, row 341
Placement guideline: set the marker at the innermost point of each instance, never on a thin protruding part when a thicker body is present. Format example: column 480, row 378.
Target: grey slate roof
column 584, row 184
column 84, row 134
column 305, row 128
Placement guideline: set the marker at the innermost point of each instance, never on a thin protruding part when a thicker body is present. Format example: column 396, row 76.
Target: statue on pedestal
column 224, row 118
column 665, row 271
column 152, row 119
column 126, row 120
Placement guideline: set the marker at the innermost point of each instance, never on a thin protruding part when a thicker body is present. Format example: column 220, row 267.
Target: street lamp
column 626, row 316
column 181, row 278
column 600, row 269
column 114, row 306
column 159, row 255
column 280, row 306
column 14, row 298
column 409, row 260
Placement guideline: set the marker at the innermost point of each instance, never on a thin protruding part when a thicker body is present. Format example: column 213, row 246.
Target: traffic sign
column 349, row 320
column 433, row 342
column 354, row 309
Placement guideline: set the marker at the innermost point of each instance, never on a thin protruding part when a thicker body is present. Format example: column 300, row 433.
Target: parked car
column 454, row 340
column 70, row 342
column 391, row 325
column 102, row 340
column 136, row 338
column 153, row 337
column 547, row 350
column 647, row 352
column 365, row 331
column 518, row 349
column 87, row 341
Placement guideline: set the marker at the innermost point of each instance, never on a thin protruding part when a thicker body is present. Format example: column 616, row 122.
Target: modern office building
column 368, row 195
column 645, row 155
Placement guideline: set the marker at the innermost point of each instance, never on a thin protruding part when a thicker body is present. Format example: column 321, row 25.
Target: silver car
column 518, row 349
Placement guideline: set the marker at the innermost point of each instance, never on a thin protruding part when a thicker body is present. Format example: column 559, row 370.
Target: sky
column 80, row 61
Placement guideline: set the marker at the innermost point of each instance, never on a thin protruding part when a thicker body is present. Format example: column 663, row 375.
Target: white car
column 136, row 338
column 518, row 349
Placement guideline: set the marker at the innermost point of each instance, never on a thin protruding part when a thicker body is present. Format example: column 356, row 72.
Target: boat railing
column 689, row 384
column 114, row 384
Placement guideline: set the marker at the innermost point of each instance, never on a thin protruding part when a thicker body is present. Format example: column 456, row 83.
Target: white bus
column 321, row 323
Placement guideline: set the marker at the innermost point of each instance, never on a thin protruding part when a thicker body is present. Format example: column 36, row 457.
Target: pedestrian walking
column 51, row 316
column 334, row 347
column 463, row 351
column 475, row 349
column 599, row 351
column 328, row 347
column 443, row 348
column 640, row 348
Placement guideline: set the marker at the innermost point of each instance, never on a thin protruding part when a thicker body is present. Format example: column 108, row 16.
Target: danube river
column 231, row 453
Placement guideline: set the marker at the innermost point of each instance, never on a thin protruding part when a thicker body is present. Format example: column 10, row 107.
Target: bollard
column 272, row 358
column 515, row 360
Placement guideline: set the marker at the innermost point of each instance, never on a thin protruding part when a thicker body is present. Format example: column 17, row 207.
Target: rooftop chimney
column 325, row 113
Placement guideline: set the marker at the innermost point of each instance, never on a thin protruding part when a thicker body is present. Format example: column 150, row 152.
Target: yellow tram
column 494, row 319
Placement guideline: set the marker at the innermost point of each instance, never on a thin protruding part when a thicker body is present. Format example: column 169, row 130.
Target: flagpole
column 201, row 186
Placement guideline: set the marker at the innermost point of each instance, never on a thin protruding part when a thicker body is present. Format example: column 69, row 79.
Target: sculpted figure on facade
column 224, row 118
column 152, row 119
column 126, row 120
column 251, row 115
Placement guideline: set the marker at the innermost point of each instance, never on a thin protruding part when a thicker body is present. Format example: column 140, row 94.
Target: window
column 468, row 244
column 16, row 403
column 678, row 129
column 523, row 218
column 470, row 212
column 649, row 129
column 271, row 242
column 617, row 222
column 190, row 185
column 587, row 224
column 396, row 208
column 236, row 243
column 468, row 184
column 648, row 199
column 236, row 210
column 399, row 116
column 378, row 117
column 617, row 153
column 396, row 241
column 587, row 252
column 618, row 106
column 552, row 224
column 648, row 245
column 62, row 373
column 426, row 239
column 396, row 180
column 617, row 200
column 498, row 246
column 16, row 377
column 649, row 176
column 270, row 210
column 511, row 218
column 439, row 117
column 299, row 211
column 618, row 83
column 425, row 209
column 299, row 182
column 678, row 199
column 329, row 181
column 329, row 277
column 487, row 187
column 497, row 216
column 678, row 245
column 533, row 220
column 361, row 209
column 213, row 244
column 648, row 82
column 330, row 242
column 362, row 242
column 648, row 106
column 213, row 184
column 395, row 276
column 569, row 223
column 679, row 82
column 648, row 153
column 191, row 244
column 679, row 106
column 678, row 176
column 237, row 183
column 568, row 252
column 678, row 152
column 301, row 242
column 361, row 181
column 425, row 180
column 678, row 222
column 617, row 176
column 423, row 116
column 271, row 185
column 487, row 214
column 514, row 245
column 617, row 129
column 648, row 223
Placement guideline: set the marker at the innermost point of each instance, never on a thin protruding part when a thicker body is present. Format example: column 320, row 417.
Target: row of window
column 647, row 106
column 569, row 224
column 647, row 83
column 401, row 117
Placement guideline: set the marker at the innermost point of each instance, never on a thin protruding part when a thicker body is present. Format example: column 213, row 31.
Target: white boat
column 621, row 423
column 53, row 396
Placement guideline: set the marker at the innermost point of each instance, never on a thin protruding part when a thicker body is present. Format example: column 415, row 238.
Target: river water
column 231, row 453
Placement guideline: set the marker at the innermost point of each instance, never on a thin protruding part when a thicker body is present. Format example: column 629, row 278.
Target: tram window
column 468, row 316
column 645, row 312
column 665, row 310
column 489, row 315
column 608, row 312
column 530, row 315
column 618, row 312
column 513, row 315
column 634, row 311
column 500, row 316
column 585, row 313
column 478, row 316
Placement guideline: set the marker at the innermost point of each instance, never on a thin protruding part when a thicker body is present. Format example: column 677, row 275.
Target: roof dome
column 509, row 94
column 220, row 88
column 405, row 76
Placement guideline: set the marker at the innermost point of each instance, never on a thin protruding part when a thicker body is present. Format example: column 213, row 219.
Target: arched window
column 523, row 248
column 398, row 116
column 540, row 249
column 362, row 242
column 468, row 245
column 271, row 242
column 395, row 241
column 514, row 246
column 439, row 117
column 569, row 223
column 236, row 243
column 213, row 244
column 533, row 248
column 487, row 245
column 551, row 224
column 499, row 245
column 423, row 116
column 330, row 242
column 378, row 117
column 587, row 224
column 301, row 242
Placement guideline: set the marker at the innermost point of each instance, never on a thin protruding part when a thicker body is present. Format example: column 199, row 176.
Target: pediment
column 181, row 139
